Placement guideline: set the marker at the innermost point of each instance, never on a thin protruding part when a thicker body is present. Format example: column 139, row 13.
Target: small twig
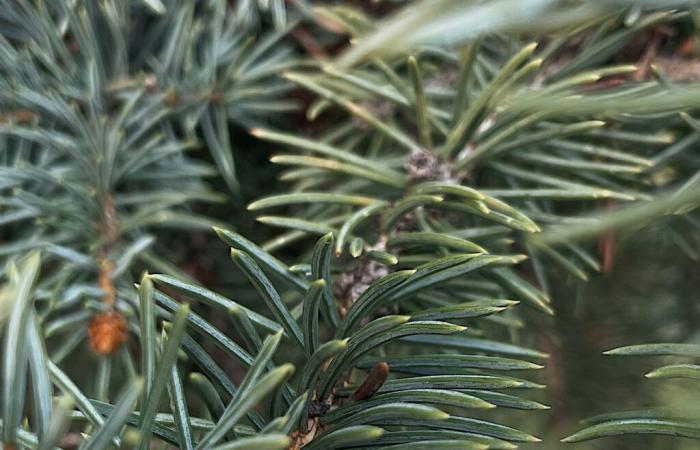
column 105, row 282
column 108, row 330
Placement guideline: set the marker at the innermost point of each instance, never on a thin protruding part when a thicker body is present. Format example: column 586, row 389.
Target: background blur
column 648, row 292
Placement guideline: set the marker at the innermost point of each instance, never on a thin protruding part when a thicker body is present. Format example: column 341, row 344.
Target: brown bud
column 106, row 332
column 374, row 381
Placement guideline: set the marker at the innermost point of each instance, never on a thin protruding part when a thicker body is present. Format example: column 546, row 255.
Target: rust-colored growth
column 106, row 332
column 374, row 381
column 105, row 282
column 10, row 446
